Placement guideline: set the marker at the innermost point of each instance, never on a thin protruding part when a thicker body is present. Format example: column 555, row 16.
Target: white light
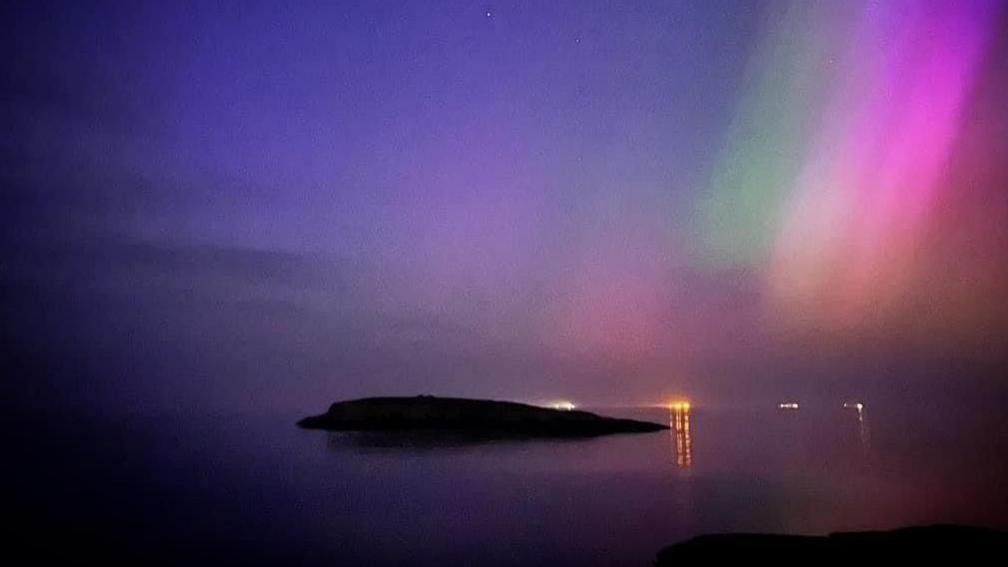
column 788, row 405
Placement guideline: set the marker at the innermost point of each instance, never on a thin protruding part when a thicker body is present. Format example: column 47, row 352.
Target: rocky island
column 484, row 418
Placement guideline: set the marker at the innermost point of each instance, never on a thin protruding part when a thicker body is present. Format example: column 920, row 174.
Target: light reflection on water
column 864, row 433
column 682, row 443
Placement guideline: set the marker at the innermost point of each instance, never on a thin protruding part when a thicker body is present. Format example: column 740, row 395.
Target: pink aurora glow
column 868, row 186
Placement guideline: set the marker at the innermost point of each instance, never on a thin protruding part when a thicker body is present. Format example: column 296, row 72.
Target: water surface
column 256, row 489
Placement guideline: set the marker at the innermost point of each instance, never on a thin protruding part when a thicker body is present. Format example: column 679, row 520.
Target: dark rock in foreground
column 484, row 418
column 922, row 542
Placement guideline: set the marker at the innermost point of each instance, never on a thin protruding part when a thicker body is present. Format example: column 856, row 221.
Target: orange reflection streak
column 679, row 421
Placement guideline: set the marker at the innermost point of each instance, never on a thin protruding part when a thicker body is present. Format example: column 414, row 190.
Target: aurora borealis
column 834, row 174
column 251, row 205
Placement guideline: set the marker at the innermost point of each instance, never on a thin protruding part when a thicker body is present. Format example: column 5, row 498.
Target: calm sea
column 256, row 489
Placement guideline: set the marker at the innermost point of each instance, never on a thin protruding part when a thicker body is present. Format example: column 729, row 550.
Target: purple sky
column 275, row 205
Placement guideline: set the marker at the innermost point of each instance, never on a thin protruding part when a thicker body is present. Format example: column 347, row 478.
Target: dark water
column 255, row 489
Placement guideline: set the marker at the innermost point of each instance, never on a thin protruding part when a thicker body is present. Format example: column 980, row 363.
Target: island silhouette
column 483, row 418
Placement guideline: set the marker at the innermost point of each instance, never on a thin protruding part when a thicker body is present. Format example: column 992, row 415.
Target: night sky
column 211, row 207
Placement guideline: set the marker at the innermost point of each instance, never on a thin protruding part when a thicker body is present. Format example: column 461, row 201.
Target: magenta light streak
column 874, row 170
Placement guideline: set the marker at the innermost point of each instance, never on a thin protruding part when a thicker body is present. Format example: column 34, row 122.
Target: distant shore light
column 680, row 405
column 788, row 405
column 563, row 405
